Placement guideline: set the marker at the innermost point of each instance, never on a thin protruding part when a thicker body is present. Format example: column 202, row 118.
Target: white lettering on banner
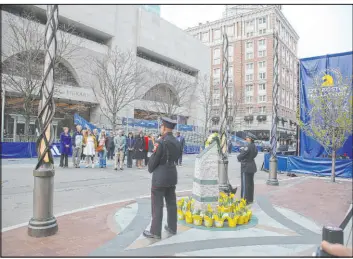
column 56, row 150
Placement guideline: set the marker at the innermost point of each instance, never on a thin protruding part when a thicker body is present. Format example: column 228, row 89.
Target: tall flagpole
column 43, row 223
column 272, row 179
column 223, row 154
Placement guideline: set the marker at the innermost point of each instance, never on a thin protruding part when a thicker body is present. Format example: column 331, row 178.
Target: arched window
column 31, row 65
column 162, row 93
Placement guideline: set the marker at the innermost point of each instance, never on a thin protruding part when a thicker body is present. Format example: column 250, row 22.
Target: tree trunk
column 27, row 121
column 333, row 171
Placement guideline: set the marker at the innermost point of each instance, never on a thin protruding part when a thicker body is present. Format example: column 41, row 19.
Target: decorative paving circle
column 252, row 223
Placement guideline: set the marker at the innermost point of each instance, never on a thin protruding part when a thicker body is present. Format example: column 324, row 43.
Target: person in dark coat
column 110, row 145
column 161, row 164
column 65, row 146
column 248, row 169
column 139, row 149
column 181, row 140
column 130, row 145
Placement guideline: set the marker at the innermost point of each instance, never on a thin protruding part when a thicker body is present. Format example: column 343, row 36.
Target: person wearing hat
column 161, row 164
column 248, row 169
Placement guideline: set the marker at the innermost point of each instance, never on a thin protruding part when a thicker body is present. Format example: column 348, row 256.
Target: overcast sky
column 323, row 29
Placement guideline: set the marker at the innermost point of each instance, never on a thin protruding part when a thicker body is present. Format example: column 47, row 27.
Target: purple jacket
column 65, row 140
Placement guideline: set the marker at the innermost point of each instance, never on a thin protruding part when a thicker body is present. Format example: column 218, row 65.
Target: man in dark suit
column 161, row 164
column 181, row 140
column 248, row 169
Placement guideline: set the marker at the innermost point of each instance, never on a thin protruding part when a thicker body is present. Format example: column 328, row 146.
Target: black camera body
column 333, row 235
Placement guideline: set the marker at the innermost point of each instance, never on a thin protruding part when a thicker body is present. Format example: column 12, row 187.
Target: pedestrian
column 119, row 143
column 139, row 149
column 145, row 150
column 181, row 140
column 90, row 148
column 248, row 169
column 95, row 156
column 102, row 149
column 130, row 143
column 65, row 146
column 84, row 139
column 110, row 145
column 77, row 142
column 125, row 150
column 166, row 153
column 230, row 146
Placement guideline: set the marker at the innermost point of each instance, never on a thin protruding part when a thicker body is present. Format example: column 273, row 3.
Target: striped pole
column 43, row 223
column 272, row 180
column 223, row 153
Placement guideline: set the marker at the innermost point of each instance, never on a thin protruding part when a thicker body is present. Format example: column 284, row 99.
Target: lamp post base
column 272, row 178
column 42, row 228
column 223, row 175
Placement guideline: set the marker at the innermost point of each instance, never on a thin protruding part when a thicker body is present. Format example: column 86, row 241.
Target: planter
column 181, row 215
column 249, row 214
column 241, row 220
column 208, row 222
column 219, row 223
column 188, row 220
column 232, row 223
column 226, row 209
column 197, row 220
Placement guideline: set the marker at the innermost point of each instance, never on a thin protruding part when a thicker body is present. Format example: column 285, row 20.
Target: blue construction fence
column 10, row 150
column 312, row 166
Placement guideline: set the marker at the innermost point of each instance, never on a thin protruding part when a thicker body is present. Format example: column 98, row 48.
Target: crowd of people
column 91, row 148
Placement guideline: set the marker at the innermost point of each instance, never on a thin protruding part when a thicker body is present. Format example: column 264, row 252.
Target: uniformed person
column 248, row 169
column 166, row 153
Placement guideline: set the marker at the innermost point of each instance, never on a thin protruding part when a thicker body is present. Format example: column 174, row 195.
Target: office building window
column 262, row 75
column 262, row 109
column 249, row 66
column 249, row 88
column 262, row 98
column 249, row 122
column 249, row 55
column 249, row 77
column 216, row 56
column 249, row 34
column 249, row 44
column 262, row 31
column 262, row 87
column 230, row 53
column 262, row 20
column 262, row 64
column 262, row 53
column 248, row 99
column 262, row 43
column 216, row 34
column 249, row 110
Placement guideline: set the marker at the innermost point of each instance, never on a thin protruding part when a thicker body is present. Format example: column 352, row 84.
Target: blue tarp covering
column 78, row 120
column 12, row 150
column 24, row 150
column 310, row 68
column 316, row 166
column 153, row 124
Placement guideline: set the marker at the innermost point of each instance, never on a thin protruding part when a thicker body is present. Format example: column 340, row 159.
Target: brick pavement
column 82, row 232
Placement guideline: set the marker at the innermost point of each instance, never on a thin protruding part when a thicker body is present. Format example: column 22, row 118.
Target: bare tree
column 174, row 95
column 234, row 109
column 205, row 100
column 23, row 60
column 119, row 78
column 328, row 120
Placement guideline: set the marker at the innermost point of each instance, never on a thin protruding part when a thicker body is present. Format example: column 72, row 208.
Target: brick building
column 250, row 30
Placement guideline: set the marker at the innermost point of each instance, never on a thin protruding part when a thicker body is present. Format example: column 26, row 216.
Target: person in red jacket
column 145, row 151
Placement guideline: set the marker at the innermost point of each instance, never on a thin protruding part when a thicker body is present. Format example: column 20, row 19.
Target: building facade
column 250, row 30
column 155, row 43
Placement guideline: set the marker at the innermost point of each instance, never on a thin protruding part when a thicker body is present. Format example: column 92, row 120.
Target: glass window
column 262, row 75
column 216, row 34
column 262, row 20
column 262, row 87
column 249, row 88
column 216, row 72
column 262, row 53
column 262, row 98
column 262, row 31
column 249, row 55
column 249, row 44
column 262, row 64
column 249, row 77
column 230, row 30
column 262, row 42
column 249, row 110
column 205, row 37
column 250, row 66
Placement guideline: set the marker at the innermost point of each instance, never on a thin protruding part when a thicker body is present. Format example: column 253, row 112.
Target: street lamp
column 272, row 177
column 223, row 153
column 43, row 223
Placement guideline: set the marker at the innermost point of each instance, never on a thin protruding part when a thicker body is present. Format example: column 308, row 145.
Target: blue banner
column 78, row 120
column 325, row 71
column 153, row 124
